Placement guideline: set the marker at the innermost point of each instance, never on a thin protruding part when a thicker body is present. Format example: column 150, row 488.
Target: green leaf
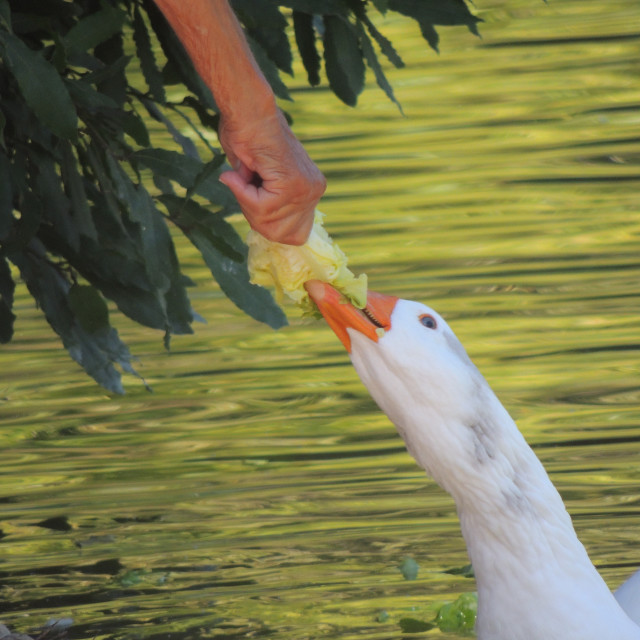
column 41, row 86
column 133, row 125
column 343, row 59
column 187, row 145
column 5, row 15
column 89, row 307
column 187, row 214
column 185, row 171
column 80, row 210
column 114, row 82
column 110, row 213
column 94, row 29
column 30, row 218
column 430, row 35
column 385, row 45
column 233, row 278
column 6, row 197
column 381, row 5
column 207, row 119
column 7, row 288
column 3, row 122
column 86, row 97
column 266, row 25
column 59, row 58
column 157, row 250
column 96, row 352
column 211, row 170
column 374, row 64
column 207, row 232
column 320, row 7
column 150, row 71
column 114, row 70
column 436, row 12
column 306, row 42
column 269, row 69
column 47, row 186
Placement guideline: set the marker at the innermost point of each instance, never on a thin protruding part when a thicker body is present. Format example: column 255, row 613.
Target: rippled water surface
column 258, row 492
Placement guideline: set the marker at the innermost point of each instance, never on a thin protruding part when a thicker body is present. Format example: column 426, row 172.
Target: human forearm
column 275, row 182
column 211, row 35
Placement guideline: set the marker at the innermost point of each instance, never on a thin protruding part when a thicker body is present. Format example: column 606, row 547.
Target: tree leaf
column 133, row 125
column 213, row 237
column 89, row 307
column 5, row 15
column 233, row 278
column 6, row 197
column 150, row 71
column 113, row 83
column 41, row 86
column 59, row 58
column 96, row 352
column 3, row 122
column 430, row 35
column 266, row 25
column 374, row 64
column 7, row 288
column 95, row 28
column 186, row 214
column 30, row 219
column 210, row 170
column 110, row 212
column 343, row 59
column 436, row 12
column 110, row 71
column 385, row 45
column 80, row 210
column 187, row 145
column 157, row 251
column 306, row 42
column 320, row 7
column 381, row 5
column 47, row 186
column 185, row 171
column 86, row 97
column 269, row 69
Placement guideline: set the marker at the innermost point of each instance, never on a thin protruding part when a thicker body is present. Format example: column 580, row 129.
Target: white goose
column 534, row 578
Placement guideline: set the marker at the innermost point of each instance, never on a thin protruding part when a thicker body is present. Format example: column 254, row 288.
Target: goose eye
column 428, row 321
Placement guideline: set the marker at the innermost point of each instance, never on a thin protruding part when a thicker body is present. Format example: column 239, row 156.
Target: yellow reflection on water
column 259, row 487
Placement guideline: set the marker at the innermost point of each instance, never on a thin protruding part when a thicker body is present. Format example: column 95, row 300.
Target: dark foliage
column 86, row 197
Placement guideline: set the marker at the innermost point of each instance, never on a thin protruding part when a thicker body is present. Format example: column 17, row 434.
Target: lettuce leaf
column 287, row 267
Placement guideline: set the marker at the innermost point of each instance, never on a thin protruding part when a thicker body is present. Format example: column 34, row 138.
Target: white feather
column 535, row 580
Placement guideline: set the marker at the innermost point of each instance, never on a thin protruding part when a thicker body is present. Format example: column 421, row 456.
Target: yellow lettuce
column 287, row 268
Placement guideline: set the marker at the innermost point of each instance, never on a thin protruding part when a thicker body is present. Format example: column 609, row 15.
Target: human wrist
column 257, row 109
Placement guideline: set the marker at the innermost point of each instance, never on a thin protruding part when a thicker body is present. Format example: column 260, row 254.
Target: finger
column 245, row 193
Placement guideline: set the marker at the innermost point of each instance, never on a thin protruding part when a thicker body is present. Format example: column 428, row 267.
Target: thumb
column 245, row 193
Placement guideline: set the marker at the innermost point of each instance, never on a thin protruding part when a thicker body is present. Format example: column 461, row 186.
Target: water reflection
column 258, row 491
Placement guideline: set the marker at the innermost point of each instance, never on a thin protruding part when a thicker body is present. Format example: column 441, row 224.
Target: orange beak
column 341, row 315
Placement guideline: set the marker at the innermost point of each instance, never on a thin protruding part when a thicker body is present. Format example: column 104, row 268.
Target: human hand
column 275, row 182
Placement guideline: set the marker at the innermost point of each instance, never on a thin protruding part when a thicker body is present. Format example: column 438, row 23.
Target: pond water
column 258, row 492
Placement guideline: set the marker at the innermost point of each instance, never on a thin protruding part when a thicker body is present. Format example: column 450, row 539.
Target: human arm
column 275, row 182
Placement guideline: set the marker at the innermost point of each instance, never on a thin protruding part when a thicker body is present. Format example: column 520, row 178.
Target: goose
column 534, row 578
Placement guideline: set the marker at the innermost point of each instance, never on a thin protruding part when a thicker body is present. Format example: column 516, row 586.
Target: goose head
column 420, row 375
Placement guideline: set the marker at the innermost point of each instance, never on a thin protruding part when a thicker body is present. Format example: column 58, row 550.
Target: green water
column 258, row 492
